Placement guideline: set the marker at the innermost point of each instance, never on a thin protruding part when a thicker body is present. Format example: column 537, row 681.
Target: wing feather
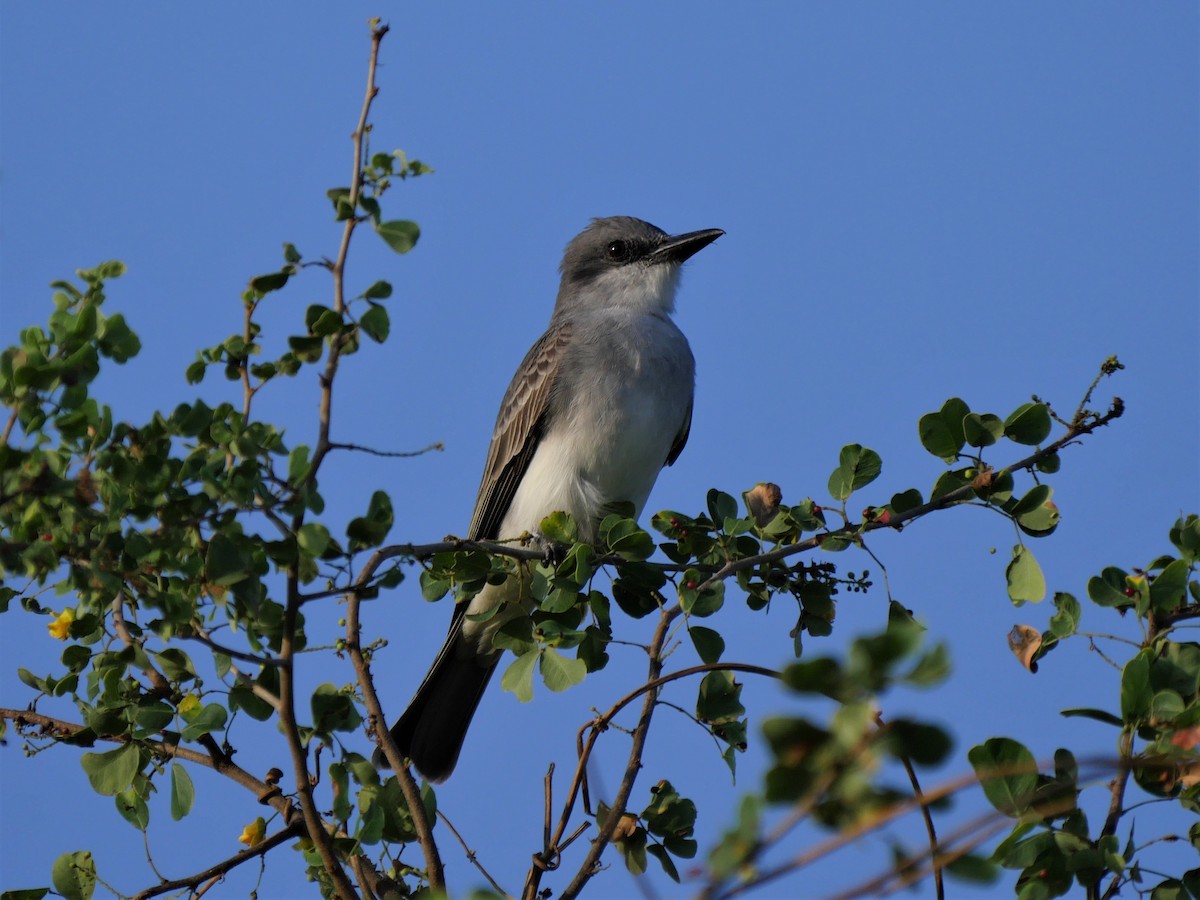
column 520, row 424
column 681, row 439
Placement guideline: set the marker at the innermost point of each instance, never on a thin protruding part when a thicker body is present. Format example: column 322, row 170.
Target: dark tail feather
column 432, row 729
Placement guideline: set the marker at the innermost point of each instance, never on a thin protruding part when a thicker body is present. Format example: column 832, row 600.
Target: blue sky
column 920, row 200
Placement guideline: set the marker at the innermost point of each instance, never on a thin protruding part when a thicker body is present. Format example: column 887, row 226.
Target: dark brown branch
column 287, row 682
column 391, row 454
column 162, row 687
column 201, row 637
column 472, row 858
column 633, row 764
column 408, row 786
column 225, row 866
column 953, row 498
column 763, row 876
column 215, row 759
column 849, row 532
column 926, row 815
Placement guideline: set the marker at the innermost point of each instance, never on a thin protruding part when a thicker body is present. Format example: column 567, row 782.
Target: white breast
column 629, row 390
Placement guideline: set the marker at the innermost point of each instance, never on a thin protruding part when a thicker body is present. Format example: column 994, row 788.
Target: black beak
column 683, row 246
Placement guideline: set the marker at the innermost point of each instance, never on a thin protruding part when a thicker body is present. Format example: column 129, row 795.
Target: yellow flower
column 253, row 833
column 188, row 705
column 60, row 627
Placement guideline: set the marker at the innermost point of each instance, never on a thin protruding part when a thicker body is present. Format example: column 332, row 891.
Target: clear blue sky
column 921, row 200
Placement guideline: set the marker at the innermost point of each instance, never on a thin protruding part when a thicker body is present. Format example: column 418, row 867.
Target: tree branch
column 169, row 748
column 222, row 868
column 408, row 785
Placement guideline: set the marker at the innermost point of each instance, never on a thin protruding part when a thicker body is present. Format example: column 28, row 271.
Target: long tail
column 432, row 729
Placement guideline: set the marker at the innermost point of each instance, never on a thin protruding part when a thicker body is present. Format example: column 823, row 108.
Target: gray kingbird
column 599, row 405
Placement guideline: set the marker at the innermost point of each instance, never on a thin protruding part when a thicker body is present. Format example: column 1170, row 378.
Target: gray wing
column 522, row 421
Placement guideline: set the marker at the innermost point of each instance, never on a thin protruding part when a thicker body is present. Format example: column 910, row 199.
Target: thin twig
column 222, row 868
column 200, row 635
column 633, row 764
column 930, row 830
column 394, row 454
column 471, row 856
column 408, row 786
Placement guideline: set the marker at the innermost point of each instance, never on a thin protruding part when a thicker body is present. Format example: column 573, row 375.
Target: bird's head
column 621, row 261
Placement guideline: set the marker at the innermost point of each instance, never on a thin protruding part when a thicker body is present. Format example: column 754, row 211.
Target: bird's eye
column 618, row 251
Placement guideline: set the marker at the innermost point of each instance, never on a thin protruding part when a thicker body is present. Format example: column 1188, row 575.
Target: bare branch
column 394, row 454
column 926, row 815
column 472, row 858
column 219, row 870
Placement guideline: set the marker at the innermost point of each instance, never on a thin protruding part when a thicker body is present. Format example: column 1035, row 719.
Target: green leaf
column 932, row 668
column 697, row 600
column 1168, row 590
column 857, row 467
column 560, row 528
column 26, row 894
column 182, row 792
column 659, row 852
column 941, row 433
column 1066, row 616
column 518, row 677
column 333, row 710
column 1108, row 588
column 626, row 538
column 223, row 563
column 974, row 868
column 1024, row 576
column 176, row 664
column 1007, row 772
column 1170, row 889
column 721, row 506
column 718, row 701
column 380, row 290
column 113, row 771
column 925, row 745
column 1028, row 424
column 1035, row 513
column 905, row 500
column 433, row 587
column 376, row 324
column 313, row 538
column 74, row 875
column 209, row 719
column 1136, row 690
column 272, row 281
column 132, row 808
column 291, row 254
column 708, row 643
column 400, row 235
column 982, row 430
column 306, row 348
column 559, row 672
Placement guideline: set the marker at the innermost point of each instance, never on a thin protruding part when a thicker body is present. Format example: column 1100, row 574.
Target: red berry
column 1130, row 592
